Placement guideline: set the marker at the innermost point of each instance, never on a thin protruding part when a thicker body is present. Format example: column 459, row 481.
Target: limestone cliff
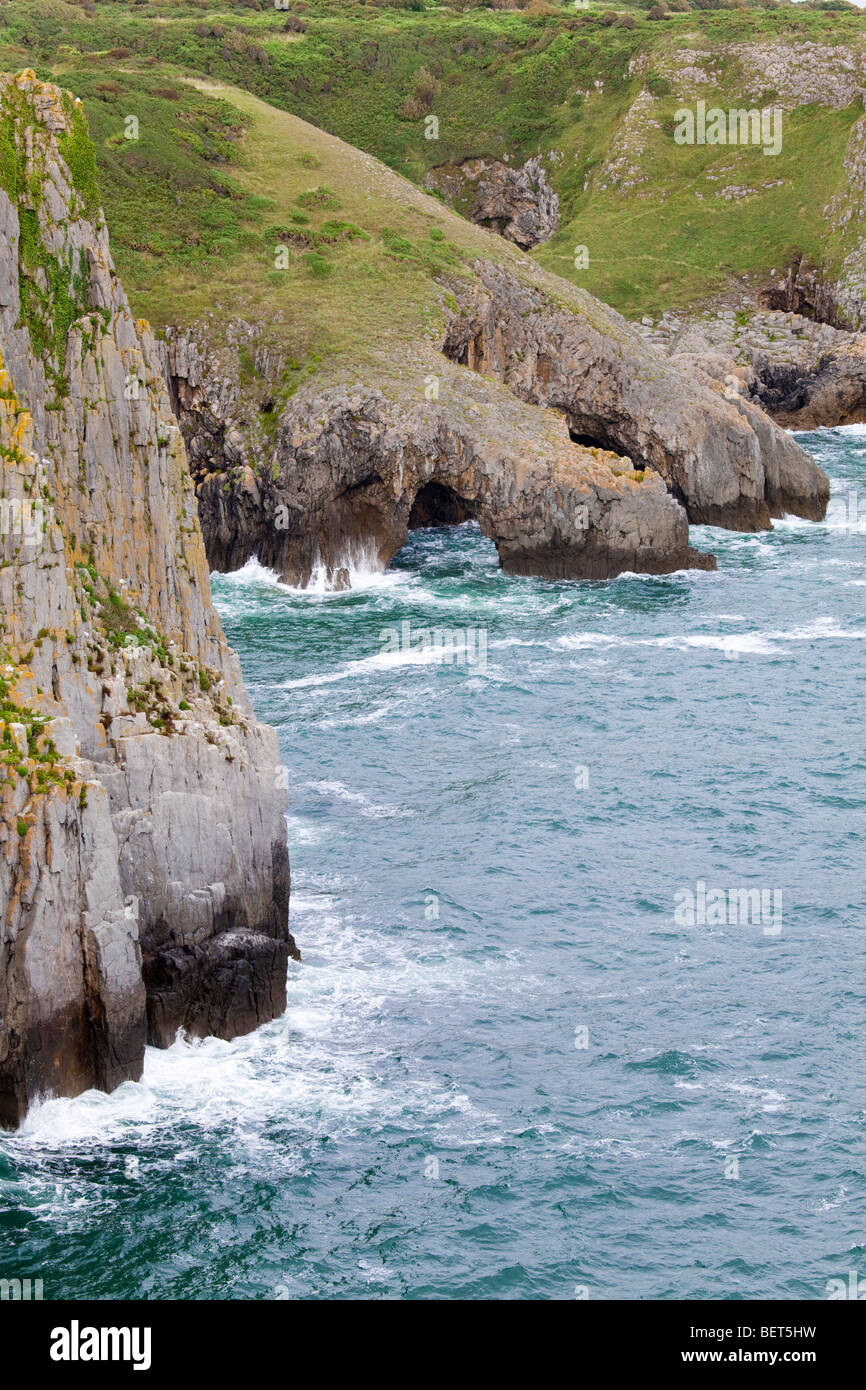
column 356, row 466
column 721, row 456
column 144, row 874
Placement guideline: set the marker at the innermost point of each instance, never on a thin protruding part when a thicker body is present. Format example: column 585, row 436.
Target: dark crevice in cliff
column 599, row 439
column 809, row 291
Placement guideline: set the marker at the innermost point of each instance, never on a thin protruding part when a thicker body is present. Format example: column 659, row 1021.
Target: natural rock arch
column 437, row 504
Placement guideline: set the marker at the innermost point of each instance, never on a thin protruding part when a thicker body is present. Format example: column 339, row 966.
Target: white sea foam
column 320, row 1068
column 363, row 578
column 830, row 1203
column 767, row 1099
column 300, row 832
column 691, row 574
column 824, row 628
column 385, row 662
column 857, row 431
column 749, row 642
column 367, row 807
column 364, row 574
column 251, row 575
column 578, row 640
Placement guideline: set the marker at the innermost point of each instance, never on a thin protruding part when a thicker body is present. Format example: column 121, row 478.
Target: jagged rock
column 356, row 467
column 232, row 982
column 653, row 445
column 160, row 851
column 802, row 373
column 520, row 204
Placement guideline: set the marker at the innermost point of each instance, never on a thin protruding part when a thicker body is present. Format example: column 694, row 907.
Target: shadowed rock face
column 358, row 467
column 724, row 459
column 828, row 389
column 802, row 373
column 144, row 876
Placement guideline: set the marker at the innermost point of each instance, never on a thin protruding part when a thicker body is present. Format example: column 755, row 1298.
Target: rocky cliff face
column 722, row 458
column 358, row 467
column 144, row 875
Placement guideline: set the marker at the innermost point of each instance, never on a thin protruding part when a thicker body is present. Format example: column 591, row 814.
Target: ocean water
column 515, row 1063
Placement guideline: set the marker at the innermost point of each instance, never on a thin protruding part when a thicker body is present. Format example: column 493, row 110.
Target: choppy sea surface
column 526, row 1053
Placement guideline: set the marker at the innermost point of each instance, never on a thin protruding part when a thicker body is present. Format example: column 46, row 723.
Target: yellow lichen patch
column 16, row 423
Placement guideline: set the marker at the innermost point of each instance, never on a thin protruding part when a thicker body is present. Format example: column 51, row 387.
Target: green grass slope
column 516, row 82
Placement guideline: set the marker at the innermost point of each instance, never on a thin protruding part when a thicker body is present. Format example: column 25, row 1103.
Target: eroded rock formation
column 348, row 491
column 802, row 373
column 723, row 458
column 144, row 875
column 520, row 204
column 579, row 449
column 354, row 467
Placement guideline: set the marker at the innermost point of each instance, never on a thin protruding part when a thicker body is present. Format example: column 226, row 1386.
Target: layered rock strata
column 144, row 875
column 718, row 453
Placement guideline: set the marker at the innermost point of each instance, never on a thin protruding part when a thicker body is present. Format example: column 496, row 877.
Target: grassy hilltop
column 204, row 190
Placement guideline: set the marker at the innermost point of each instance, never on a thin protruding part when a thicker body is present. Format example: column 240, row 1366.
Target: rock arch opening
column 436, row 504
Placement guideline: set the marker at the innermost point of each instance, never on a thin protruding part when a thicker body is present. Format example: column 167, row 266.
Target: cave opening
column 600, row 440
column 439, row 505
column 788, row 299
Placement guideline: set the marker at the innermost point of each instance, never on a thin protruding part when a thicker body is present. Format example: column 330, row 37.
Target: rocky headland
column 580, row 450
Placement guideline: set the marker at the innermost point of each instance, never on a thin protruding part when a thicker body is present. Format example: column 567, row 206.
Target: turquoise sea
column 513, row 1065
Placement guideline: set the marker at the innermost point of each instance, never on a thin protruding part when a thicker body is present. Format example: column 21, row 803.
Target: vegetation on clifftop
column 53, row 294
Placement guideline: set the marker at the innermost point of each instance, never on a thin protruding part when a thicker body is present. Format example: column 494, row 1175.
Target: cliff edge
column 144, row 876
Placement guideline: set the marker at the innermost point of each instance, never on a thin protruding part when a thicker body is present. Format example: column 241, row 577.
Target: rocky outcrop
column 811, row 291
column 520, row 204
column 802, row 373
column 355, row 467
column 143, row 866
column 580, row 451
column 722, row 458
